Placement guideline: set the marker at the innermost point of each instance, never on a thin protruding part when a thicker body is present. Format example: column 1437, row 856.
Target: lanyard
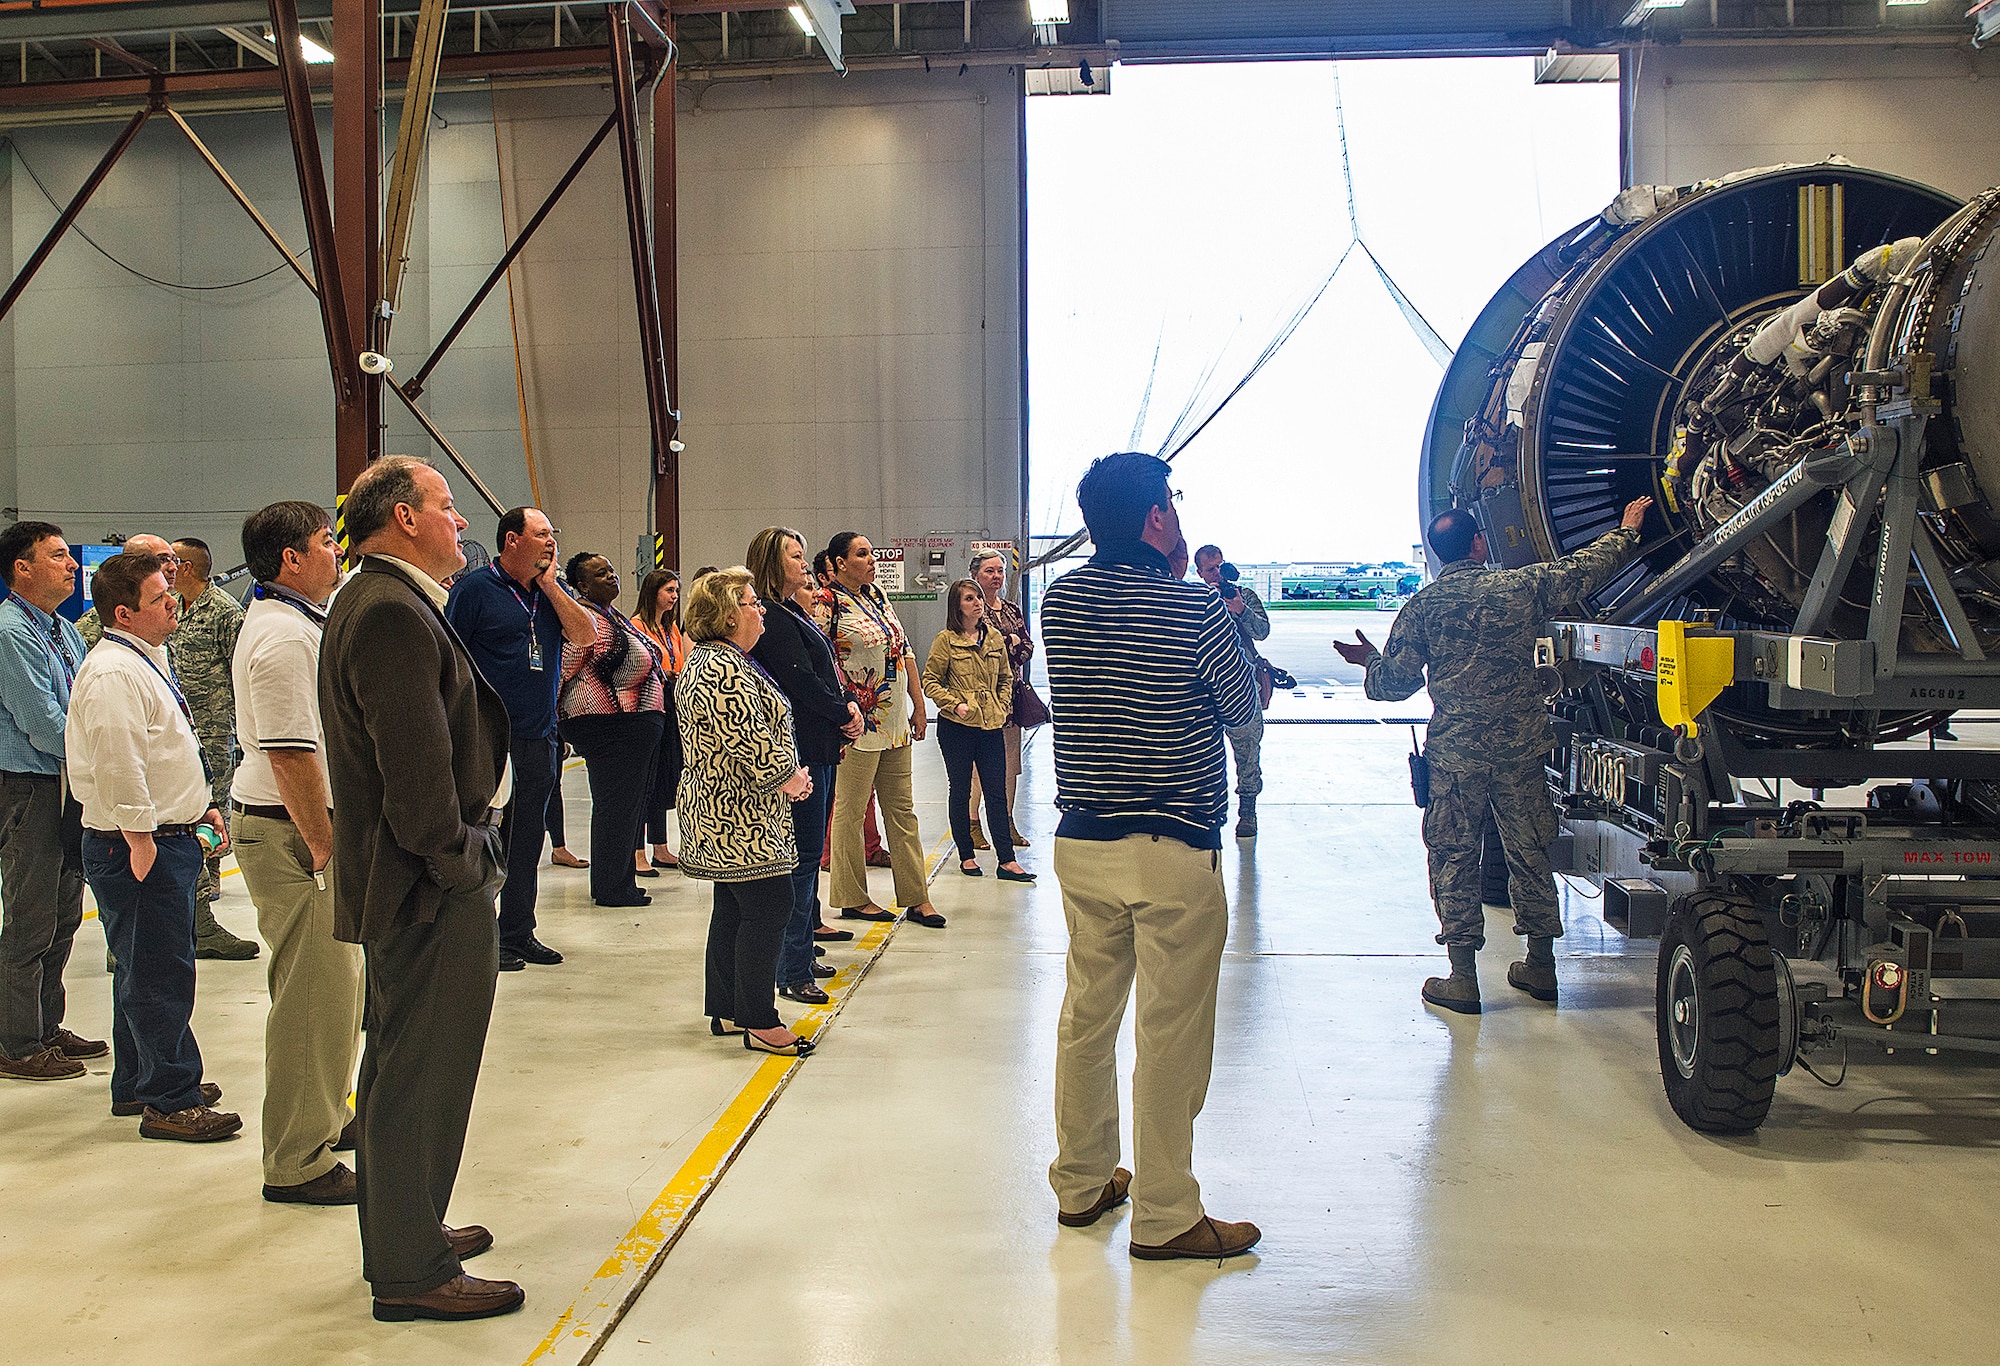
column 173, row 684
column 531, row 603
column 53, row 635
column 756, row 664
column 273, row 593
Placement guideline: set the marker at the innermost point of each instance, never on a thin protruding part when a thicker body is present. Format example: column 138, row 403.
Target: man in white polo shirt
column 281, row 815
column 135, row 765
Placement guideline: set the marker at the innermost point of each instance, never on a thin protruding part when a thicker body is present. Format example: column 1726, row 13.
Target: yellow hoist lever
column 1692, row 671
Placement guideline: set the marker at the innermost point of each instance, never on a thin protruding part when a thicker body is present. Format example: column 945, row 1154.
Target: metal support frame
column 70, row 211
column 415, row 385
column 412, row 137
column 1852, row 511
column 652, row 340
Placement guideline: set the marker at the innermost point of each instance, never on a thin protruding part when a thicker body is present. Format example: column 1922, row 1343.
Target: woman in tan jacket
column 970, row 679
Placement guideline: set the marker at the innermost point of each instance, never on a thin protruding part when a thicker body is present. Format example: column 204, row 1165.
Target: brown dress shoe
column 74, row 1046
column 129, row 1109
column 1112, row 1196
column 467, row 1242
column 196, row 1124
column 462, row 1297
column 334, row 1186
column 44, row 1064
column 1209, row 1240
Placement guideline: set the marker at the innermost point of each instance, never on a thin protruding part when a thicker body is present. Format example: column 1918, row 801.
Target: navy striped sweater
column 1144, row 674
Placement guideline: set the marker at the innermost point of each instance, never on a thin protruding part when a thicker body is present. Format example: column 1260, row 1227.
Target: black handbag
column 1029, row 711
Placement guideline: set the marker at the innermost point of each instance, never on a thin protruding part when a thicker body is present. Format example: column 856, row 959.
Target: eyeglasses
column 1174, row 495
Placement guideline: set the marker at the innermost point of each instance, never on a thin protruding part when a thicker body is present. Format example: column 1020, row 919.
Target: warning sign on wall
column 1006, row 549
column 889, row 568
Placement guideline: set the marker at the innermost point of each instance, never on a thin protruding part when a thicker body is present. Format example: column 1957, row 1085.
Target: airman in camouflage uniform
column 1473, row 632
column 202, row 648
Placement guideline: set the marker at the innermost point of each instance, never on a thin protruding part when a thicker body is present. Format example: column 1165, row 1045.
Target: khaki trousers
column 313, row 1033
column 886, row 772
column 1151, row 908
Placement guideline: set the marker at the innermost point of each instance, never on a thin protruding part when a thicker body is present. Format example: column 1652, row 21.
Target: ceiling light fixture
column 310, row 50
column 803, row 20
column 1048, row 11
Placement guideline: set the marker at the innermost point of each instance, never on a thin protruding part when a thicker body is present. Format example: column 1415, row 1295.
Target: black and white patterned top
column 736, row 737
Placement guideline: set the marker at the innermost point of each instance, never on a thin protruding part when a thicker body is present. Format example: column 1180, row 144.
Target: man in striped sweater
column 1145, row 675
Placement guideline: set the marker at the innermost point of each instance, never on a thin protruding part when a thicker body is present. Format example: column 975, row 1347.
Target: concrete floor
column 1509, row 1188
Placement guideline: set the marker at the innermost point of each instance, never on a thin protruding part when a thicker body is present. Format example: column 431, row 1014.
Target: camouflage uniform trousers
column 1518, row 797
column 221, row 759
column 1247, row 744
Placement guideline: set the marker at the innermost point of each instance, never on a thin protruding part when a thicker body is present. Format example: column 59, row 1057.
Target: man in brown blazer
column 416, row 750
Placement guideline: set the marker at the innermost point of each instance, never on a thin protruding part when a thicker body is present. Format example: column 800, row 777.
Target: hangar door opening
column 1276, row 258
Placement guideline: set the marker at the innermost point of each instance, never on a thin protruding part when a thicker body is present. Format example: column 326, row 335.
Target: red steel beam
column 666, row 270
column 75, row 206
column 652, row 343
column 357, row 219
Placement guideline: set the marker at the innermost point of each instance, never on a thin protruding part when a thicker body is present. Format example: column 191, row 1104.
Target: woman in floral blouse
column 882, row 676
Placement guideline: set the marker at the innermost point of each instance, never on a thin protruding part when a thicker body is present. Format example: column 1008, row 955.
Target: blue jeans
column 150, row 929
column 795, row 955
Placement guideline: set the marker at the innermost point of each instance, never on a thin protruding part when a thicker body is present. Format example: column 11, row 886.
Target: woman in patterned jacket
column 740, row 777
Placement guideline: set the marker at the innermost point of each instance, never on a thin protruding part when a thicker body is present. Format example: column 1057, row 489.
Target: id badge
column 889, row 670
column 535, row 654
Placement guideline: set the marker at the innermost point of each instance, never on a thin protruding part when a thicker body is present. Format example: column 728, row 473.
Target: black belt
column 156, row 830
column 269, row 813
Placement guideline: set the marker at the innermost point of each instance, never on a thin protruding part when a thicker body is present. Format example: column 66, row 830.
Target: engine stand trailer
column 1898, row 901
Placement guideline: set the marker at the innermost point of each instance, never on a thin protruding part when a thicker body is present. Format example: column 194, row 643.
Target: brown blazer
column 416, row 742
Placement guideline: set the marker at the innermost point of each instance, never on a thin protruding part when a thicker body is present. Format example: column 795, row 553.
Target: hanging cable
column 513, row 322
column 15, row 147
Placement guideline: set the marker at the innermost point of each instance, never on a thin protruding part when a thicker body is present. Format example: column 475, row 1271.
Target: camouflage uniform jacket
column 1474, row 631
column 202, row 649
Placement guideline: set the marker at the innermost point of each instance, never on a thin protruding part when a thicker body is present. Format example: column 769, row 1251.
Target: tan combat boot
column 1460, row 991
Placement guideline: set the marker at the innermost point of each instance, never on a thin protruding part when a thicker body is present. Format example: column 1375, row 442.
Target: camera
column 1229, row 574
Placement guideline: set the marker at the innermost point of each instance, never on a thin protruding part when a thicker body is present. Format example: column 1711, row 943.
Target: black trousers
column 41, row 899
column 744, row 931
column 522, row 829
column 963, row 747
column 618, row 753
column 430, row 997
column 666, row 778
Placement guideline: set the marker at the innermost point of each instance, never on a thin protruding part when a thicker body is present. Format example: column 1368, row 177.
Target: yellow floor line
column 582, row 1329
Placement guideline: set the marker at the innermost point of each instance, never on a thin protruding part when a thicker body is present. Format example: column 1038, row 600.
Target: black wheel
column 1718, row 1014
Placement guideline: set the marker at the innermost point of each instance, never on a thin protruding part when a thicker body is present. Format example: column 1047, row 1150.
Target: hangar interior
column 828, row 241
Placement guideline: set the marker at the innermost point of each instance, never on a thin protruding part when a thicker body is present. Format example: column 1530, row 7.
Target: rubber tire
column 1735, row 1056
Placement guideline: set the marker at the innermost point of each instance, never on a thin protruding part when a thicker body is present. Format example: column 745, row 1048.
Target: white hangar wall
column 1925, row 112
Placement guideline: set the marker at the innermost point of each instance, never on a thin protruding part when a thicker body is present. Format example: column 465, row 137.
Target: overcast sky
column 1197, row 207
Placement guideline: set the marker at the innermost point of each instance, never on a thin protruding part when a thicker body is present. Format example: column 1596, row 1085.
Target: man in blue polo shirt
column 41, row 825
column 513, row 616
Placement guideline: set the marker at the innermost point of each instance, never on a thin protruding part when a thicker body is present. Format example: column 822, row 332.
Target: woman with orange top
column 659, row 617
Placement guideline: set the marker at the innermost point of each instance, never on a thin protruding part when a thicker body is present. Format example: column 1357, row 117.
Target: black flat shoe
column 972, row 870
column 933, row 921
column 822, row 970
column 807, row 994
column 1006, row 876
column 863, row 913
column 819, row 951
column 799, row 1047
column 715, row 1027
column 642, row 899
column 827, row 935
column 645, row 872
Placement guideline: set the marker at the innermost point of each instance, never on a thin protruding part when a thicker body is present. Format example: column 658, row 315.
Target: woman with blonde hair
column 659, row 616
column 741, row 777
column 970, row 679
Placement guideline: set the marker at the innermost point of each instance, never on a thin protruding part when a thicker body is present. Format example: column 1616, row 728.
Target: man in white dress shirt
column 136, row 767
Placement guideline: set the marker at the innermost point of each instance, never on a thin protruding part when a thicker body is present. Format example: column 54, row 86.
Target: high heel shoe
column 799, row 1047
column 715, row 1027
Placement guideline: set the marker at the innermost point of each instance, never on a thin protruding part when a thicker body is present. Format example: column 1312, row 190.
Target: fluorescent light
column 310, row 50
column 803, row 20
column 1894, row 3
column 1048, row 11
column 1661, row 4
